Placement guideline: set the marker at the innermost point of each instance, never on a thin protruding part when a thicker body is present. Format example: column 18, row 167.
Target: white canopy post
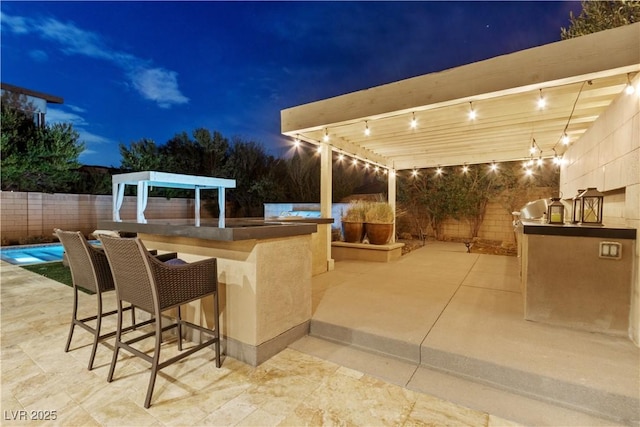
column 326, row 178
column 391, row 189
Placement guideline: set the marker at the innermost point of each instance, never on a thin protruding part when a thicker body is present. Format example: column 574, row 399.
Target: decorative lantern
column 555, row 211
column 575, row 215
column 591, row 202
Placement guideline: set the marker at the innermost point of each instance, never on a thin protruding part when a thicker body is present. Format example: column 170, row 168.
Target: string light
column 366, row 166
column 629, row 90
column 414, row 172
column 319, row 149
column 540, row 162
column 377, row 168
column 494, row 166
column 565, row 139
column 354, row 161
column 340, row 157
column 439, row 171
column 414, row 122
column 367, row 131
column 472, row 112
column 296, row 141
column 541, row 101
column 325, row 138
column 528, row 172
column 465, row 168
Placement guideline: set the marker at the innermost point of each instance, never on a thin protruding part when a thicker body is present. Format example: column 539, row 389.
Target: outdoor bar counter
column 264, row 273
column 578, row 276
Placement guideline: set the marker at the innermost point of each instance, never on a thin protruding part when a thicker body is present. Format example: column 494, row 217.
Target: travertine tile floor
column 291, row 389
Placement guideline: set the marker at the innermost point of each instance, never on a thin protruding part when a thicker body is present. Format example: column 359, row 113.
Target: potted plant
column 353, row 222
column 379, row 219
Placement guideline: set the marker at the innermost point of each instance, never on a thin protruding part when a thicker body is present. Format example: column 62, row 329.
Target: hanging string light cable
column 564, row 138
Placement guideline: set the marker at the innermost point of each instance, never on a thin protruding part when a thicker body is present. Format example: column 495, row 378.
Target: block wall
column 29, row 215
column 607, row 157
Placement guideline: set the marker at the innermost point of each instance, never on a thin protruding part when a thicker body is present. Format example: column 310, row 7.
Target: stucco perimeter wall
column 28, row 215
column 607, row 157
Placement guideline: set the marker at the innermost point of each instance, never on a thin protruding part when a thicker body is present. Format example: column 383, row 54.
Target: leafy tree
column 601, row 15
column 256, row 183
column 215, row 148
column 36, row 158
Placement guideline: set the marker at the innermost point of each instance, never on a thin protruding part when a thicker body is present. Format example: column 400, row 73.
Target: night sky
column 133, row 70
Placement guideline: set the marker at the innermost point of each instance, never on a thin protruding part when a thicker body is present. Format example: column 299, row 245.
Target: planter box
column 341, row 251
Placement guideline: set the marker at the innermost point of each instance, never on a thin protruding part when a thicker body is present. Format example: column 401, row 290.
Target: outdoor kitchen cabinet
column 578, row 277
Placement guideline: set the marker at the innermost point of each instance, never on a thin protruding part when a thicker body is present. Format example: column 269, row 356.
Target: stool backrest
column 89, row 266
column 130, row 267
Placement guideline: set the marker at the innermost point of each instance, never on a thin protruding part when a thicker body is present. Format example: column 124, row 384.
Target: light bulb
column 565, row 139
column 540, row 162
column 319, row 149
column 494, row 167
column 629, row 89
column 472, row 112
column 325, row 138
column 414, row 122
column 414, row 173
column 367, row 131
column 439, row 171
column 541, row 101
column 354, row 162
column 528, row 172
column 465, row 169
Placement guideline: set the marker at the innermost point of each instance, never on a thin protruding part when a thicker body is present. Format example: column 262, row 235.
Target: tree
column 36, row 158
column 253, row 171
column 601, row 15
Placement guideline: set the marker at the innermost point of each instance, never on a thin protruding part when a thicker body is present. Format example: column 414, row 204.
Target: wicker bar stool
column 89, row 270
column 156, row 287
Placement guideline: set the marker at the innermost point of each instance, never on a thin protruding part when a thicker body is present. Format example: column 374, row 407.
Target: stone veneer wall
column 25, row 215
column 607, row 157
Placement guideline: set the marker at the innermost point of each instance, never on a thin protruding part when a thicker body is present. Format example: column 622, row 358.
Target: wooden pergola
column 578, row 78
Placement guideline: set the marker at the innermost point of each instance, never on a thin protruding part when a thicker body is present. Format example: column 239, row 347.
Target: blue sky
column 151, row 69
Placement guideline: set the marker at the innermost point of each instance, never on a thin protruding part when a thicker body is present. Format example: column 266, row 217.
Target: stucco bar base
column 567, row 284
column 265, row 290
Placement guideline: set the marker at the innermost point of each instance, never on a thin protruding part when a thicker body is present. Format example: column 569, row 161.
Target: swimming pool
column 33, row 254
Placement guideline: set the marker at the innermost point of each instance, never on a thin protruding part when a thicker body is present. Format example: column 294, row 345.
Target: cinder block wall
column 29, row 215
column 607, row 157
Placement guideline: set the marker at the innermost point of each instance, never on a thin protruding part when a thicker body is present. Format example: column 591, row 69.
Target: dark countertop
column 574, row 230
column 236, row 229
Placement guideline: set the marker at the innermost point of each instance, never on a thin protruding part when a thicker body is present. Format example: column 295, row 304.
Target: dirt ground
column 476, row 247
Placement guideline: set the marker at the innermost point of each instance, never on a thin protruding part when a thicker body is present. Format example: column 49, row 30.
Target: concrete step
column 543, row 387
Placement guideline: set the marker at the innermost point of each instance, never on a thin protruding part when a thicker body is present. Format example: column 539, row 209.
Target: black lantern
column 591, row 202
column 555, row 211
column 575, row 215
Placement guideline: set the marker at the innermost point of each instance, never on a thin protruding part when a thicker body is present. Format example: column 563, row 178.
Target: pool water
column 33, row 254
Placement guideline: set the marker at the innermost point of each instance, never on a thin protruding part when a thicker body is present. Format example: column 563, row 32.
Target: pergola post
column 391, row 190
column 326, row 178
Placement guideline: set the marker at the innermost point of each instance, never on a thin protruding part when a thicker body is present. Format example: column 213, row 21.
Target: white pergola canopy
column 578, row 77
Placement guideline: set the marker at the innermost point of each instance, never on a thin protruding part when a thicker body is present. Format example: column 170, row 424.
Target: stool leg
column 154, row 364
column 96, row 331
column 74, row 318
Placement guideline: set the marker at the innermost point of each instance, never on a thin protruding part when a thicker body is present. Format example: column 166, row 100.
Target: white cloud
column 38, row 55
column 92, row 139
column 160, row 85
column 152, row 83
column 16, row 24
column 57, row 115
